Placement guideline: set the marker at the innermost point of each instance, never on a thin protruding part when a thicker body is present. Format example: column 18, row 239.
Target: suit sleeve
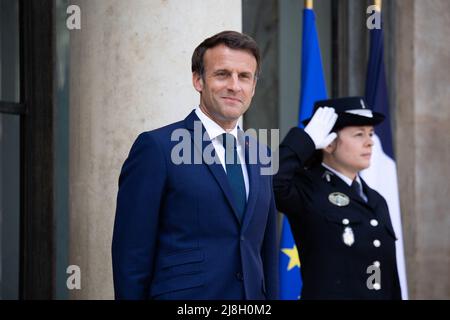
column 270, row 253
column 296, row 148
column 141, row 187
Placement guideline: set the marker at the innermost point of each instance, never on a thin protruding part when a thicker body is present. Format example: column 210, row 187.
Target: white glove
column 320, row 125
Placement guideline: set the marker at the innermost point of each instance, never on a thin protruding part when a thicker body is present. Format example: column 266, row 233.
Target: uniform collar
column 343, row 177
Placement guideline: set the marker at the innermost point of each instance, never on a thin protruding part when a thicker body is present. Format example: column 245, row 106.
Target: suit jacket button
column 239, row 276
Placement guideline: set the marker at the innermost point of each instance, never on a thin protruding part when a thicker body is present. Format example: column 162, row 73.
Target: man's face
column 228, row 84
column 352, row 150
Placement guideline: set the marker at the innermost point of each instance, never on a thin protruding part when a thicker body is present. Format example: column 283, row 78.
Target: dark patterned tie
column 234, row 173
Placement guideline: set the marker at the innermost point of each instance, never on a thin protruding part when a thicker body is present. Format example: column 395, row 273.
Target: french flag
column 382, row 173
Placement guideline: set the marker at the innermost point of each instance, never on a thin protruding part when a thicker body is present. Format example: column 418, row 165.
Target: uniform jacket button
column 376, row 243
column 373, row 222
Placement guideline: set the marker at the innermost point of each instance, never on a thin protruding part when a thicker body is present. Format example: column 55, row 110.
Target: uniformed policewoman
column 341, row 227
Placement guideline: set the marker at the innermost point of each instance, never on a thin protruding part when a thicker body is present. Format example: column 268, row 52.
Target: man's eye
column 245, row 76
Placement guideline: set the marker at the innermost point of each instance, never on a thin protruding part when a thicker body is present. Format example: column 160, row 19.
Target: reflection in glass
column 61, row 149
column 9, row 51
column 9, row 205
column 9, row 151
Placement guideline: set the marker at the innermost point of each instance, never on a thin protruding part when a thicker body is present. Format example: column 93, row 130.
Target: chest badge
column 348, row 237
column 339, row 199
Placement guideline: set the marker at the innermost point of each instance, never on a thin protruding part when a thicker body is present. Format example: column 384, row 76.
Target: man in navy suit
column 189, row 229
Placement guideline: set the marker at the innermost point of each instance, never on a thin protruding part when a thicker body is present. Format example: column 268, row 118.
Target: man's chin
column 226, row 118
column 233, row 113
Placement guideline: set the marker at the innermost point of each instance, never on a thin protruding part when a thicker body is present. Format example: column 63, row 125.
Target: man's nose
column 233, row 83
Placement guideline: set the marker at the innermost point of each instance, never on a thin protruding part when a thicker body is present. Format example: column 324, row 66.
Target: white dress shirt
column 214, row 131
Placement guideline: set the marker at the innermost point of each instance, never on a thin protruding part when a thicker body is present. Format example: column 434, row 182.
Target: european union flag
column 312, row 88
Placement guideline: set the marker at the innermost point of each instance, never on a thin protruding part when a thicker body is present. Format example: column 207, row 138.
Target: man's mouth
column 232, row 99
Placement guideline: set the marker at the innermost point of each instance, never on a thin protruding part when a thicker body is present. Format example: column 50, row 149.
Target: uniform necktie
column 356, row 187
column 234, row 173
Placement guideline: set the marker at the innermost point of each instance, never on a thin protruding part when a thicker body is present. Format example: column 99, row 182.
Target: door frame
column 37, row 59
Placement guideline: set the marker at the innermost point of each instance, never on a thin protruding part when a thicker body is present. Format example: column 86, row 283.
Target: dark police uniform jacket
column 330, row 268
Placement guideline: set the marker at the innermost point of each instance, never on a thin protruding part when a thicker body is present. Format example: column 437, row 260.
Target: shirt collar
column 213, row 129
column 346, row 179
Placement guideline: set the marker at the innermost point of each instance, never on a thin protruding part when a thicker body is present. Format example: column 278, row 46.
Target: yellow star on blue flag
column 294, row 260
column 290, row 280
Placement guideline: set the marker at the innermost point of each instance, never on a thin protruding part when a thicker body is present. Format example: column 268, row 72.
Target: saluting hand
column 320, row 125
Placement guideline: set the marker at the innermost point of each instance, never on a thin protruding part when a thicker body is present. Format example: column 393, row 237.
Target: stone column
column 422, row 96
column 130, row 72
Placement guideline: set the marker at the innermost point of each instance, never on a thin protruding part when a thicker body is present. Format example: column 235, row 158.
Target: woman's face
column 350, row 152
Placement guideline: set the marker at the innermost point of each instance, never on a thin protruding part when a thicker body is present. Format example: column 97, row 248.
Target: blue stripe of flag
column 312, row 88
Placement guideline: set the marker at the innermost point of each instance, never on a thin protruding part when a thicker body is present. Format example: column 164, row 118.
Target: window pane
column 9, row 51
column 9, row 205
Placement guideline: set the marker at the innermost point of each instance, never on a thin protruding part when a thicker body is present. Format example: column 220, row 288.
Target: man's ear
column 197, row 81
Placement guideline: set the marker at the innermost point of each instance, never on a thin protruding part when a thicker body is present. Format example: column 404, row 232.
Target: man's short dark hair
column 231, row 39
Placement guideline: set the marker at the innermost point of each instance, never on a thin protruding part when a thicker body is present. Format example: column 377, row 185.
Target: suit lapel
column 194, row 124
column 254, row 176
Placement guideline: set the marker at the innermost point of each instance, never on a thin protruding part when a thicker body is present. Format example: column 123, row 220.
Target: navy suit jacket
column 177, row 234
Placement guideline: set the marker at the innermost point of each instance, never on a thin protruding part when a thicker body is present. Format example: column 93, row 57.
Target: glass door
column 10, row 111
